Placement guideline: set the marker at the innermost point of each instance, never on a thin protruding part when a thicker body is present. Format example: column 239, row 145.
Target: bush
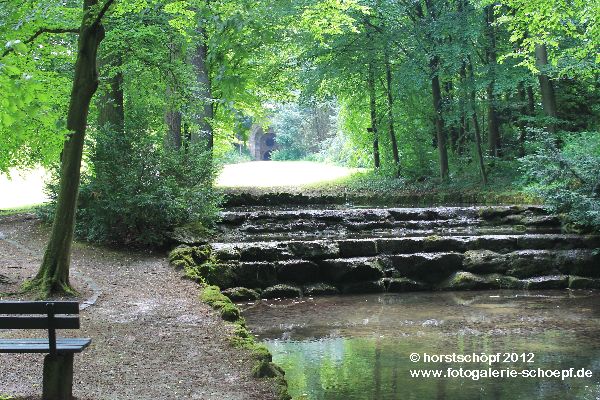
column 567, row 177
column 135, row 191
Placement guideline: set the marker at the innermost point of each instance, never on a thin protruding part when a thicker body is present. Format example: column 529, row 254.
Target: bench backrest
column 40, row 315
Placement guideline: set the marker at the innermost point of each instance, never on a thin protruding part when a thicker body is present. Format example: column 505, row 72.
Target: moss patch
column 242, row 338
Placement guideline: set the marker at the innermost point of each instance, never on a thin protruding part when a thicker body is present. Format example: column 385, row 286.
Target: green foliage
column 303, row 130
column 136, row 193
column 567, row 178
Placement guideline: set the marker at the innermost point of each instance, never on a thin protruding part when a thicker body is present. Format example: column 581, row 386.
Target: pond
column 360, row 347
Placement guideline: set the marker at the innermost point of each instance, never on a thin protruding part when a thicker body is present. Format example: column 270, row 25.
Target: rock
column 318, row 249
column 492, row 242
column 192, row 234
column 499, row 281
column 399, row 245
column 297, row 271
column 364, row 287
column 494, row 213
column 353, row 269
column 221, row 275
column 258, row 274
column 547, row 282
column 463, row 280
column 263, row 251
column 320, row 289
column 226, row 252
column 281, row 291
column 436, row 243
column 241, row 294
column 529, row 263
column 579, row 262
column 484, row 261
column 428, row 267
column 405, row 285
column 358, row 248
column 265, row 369
column 182, row 253
column 531, row 220
column 579, row 282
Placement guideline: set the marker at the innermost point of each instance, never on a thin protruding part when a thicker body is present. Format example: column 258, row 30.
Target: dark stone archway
column 262, row 144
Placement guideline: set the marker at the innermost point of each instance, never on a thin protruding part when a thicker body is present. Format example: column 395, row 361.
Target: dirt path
column 151, row 337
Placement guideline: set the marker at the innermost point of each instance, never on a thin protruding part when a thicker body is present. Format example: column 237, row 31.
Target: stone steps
column 343, row 248
column 310, row 224
column 283, row 253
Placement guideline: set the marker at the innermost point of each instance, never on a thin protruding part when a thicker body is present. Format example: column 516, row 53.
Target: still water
column 359, row 347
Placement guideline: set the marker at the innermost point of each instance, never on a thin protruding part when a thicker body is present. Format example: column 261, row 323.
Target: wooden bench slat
column 27, row 346
column 38, row 323
column 38, row 307
column 42, row 346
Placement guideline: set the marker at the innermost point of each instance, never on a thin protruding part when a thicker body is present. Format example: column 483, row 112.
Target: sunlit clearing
column 280, row 173
column 22, row 188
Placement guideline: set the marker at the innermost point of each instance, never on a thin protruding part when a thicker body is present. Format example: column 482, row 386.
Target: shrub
column 136, row 192
column 567, row 177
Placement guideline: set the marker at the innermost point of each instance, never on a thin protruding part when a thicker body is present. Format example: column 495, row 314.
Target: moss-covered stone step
column 248, row 225
column 484, row 213
column 344, row 248
column 430, row 268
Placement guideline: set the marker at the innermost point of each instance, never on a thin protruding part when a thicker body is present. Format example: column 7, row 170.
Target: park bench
column 50, row 316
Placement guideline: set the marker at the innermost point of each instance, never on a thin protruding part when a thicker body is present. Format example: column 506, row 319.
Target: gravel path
column 151, row 336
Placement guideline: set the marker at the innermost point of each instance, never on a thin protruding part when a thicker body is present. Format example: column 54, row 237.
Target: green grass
column 30, row 208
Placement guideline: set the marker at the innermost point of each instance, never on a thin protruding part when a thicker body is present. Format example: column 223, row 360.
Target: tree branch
column 103, row 11
column 40, row 32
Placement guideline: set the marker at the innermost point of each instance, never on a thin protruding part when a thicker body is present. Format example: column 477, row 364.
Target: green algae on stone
column 281, row 291
column 241, row 294
column 320, row 289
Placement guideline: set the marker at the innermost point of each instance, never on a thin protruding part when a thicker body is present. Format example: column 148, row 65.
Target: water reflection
column 358, row 347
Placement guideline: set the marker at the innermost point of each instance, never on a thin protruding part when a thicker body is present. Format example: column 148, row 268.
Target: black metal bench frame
column 48, row 315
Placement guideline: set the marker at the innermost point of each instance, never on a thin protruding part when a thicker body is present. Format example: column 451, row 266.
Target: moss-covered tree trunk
column 53, row 275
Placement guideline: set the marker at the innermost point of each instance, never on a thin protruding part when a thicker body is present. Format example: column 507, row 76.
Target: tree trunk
column 373, row 113
column 439, row 120
column 173, row 139
column 111, row 109
column 520, row 121
column 530, row 100
column 204, row 113
column 53, row 275
column 546, row 86
column 476, row 127
column 390, row 100
column 493, row 126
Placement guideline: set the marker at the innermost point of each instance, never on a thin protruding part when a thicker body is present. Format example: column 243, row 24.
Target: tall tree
column 546, row 86
column 491, row 59
column 53, row 275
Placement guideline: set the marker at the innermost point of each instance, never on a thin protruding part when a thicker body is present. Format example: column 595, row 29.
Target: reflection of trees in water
column 377, row 368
